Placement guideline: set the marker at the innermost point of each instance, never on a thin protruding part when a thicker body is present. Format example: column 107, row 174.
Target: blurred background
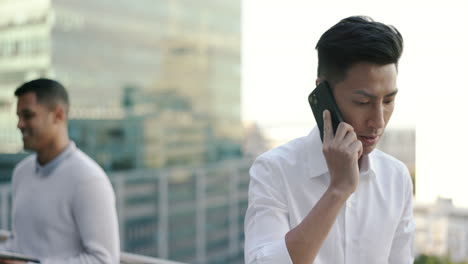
column 176, row 98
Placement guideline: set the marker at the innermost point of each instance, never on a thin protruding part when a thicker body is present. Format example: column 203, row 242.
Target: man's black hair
column 356, row 39
column 48, row 92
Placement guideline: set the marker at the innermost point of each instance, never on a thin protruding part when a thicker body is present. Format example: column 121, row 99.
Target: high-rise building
column 442, row 230
column 159, row 134
column 25, row 53
column 95, row 48
column 193, row 214
column 200, row 59
column 400, row 143
column 155, row 95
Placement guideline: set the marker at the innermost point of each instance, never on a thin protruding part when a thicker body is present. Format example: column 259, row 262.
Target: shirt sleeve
column 93, row 208
column 266, row 220
column 402, row 245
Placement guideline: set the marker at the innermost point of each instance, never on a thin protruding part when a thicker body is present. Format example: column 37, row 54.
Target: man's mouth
column 25, row 134
column 369, row 140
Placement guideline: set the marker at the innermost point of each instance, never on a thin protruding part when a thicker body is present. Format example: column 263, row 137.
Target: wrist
column 340, row 192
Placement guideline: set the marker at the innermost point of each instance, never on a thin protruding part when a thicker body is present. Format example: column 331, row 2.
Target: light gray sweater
column 64, row 212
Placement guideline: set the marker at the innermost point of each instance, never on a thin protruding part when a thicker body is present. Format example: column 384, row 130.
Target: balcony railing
column 218, row 190
column 128, row 258
column 125, row 257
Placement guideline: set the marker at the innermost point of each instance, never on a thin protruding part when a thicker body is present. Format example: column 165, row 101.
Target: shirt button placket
column 350, row 227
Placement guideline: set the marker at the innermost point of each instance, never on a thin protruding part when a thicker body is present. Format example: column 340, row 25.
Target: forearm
column 304, row 241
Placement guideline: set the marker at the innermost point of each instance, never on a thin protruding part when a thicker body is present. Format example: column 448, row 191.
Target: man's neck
column 361, row 160
column 52, row 150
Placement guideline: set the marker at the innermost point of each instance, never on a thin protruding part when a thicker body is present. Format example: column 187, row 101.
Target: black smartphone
column 320, row 99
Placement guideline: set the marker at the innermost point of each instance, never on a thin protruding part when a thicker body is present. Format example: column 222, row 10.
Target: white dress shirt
column 375, row 226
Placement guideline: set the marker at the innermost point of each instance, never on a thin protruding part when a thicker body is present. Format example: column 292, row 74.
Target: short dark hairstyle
column 356, row 39
column 48, row 92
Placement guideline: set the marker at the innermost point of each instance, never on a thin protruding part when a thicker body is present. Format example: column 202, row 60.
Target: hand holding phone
column 322, row 99
column 342, row 152
column 341, row 147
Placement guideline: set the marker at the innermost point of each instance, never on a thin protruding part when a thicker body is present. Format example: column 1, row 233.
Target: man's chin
column 28, row 147
column 368, row 149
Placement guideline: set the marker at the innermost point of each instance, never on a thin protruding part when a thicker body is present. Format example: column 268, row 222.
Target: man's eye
column 388, row 102
column 27, row 116
column 361, row 103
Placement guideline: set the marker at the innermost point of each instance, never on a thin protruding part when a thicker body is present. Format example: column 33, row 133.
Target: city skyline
column 154, row 91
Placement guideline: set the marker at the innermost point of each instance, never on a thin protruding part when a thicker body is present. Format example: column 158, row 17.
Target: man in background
column 63, row 203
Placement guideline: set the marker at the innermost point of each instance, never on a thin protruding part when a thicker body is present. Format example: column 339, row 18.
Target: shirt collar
column 48, row 168
column 317, row 159
column 319, row 164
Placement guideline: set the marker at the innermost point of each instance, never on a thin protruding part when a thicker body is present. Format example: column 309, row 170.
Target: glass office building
column 155, row 100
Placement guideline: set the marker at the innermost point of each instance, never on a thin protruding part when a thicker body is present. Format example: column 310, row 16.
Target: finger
column 356, row 147
column 327, row 127
column 342, row 130
column 361, row 151
column 349, row 138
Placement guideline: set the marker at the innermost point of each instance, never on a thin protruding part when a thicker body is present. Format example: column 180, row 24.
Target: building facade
column 98, row 48
column 155, row 100
column 442, row 230
column 25, row 53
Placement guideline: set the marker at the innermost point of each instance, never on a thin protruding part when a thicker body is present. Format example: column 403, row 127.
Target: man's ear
column 60, row 113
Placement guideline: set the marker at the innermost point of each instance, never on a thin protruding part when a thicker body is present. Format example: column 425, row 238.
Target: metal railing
column 129, row 258
column 160, row 195
column 125, row 257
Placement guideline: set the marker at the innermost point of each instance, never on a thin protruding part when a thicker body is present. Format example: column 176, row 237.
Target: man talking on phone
column 341, row 200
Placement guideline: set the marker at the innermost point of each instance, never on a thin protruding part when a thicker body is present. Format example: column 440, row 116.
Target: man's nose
column 377, row 119
column 20, row 124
